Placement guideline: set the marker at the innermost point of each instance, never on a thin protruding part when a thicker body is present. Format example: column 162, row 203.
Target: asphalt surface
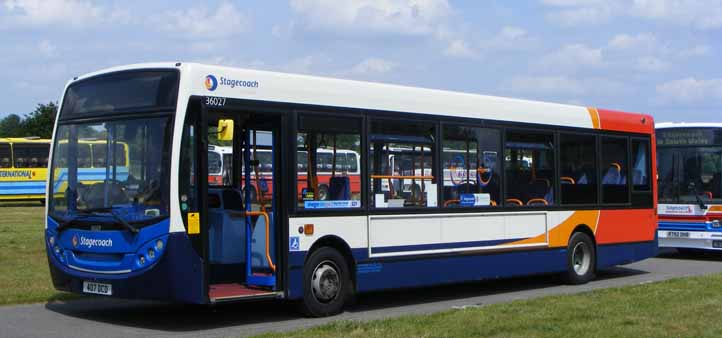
column 101, row 317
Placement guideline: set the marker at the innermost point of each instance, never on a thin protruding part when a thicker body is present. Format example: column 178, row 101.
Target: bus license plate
column 678, row 234
column 98, row 288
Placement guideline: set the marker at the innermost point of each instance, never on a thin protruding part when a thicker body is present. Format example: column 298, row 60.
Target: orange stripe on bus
column 594, row 114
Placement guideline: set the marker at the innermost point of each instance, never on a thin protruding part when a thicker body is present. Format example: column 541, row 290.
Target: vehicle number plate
column 97, row 288
column 678, row 234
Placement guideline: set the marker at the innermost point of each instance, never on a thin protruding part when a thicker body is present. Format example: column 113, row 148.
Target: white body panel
column 696, row 239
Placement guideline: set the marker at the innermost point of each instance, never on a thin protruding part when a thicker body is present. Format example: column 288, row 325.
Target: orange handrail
column 537, row 200
column 268, row 239
column 483, row 171
column 376, row 177
column 446, row 204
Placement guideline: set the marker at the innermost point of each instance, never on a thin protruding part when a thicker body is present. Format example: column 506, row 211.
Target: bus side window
column 6, row 158
column 401, row 158
column 640, row 168
column 615, row 189
column 323, row 180
column 529, row 169
column 30, row 155
column 578, row 169
column 471, row 170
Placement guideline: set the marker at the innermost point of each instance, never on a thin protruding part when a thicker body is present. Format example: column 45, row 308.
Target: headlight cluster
column 715, row 223
column 57, row 251
column 150, row 252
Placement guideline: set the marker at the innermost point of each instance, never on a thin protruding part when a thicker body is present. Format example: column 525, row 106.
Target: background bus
column 690, row 185
column 556, row 193
column 23, row 168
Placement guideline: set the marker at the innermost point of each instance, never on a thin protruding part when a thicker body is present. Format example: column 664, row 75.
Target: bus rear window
column 131, row 91
column 6, row 158
column 31, row 155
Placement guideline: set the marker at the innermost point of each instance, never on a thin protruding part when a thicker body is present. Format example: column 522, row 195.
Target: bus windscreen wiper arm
column 95, row 211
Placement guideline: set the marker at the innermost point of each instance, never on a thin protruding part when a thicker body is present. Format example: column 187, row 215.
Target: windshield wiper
column 96, row 211
column 696, row 196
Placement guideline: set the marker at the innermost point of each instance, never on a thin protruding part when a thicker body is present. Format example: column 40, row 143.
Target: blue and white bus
column 690, row 185
column 537, row 187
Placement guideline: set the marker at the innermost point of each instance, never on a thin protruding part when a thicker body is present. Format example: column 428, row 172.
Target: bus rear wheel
column 581, row 259
column 327, row 284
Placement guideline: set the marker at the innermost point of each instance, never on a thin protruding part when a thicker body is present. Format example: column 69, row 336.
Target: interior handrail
column 268, row 239
column 406, row 177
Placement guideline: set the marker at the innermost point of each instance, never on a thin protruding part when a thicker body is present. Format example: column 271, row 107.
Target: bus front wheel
column 327, row 283
column 581, row 259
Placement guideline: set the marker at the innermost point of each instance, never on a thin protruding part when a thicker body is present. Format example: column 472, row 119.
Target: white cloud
column 572, row 58
column 638, row 41
column 700, row 14
column 46, row 48
column 371, row 17
column 690, row 91
column 651, row 64
column 564, row 87
column 50, row 12
column 509, row 38
column 202, row 22
column 458, row 48
column 373, row 66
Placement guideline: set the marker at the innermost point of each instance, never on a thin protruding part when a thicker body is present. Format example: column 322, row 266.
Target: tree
column 11, row 126
column 40, row 122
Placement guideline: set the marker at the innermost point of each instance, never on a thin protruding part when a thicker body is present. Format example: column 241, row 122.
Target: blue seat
column 339, row 188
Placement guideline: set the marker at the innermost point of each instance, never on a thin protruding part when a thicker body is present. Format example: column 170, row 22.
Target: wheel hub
column 325, row 282
column 581, row 258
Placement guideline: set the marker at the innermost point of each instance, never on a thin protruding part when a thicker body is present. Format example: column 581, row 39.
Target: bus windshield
column 697, row 179
column 118, row 166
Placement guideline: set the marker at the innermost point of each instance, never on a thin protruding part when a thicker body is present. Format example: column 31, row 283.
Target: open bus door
column 242, row 228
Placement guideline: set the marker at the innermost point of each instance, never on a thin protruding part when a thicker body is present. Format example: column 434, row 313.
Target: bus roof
column 668, row 125
column 303, row 89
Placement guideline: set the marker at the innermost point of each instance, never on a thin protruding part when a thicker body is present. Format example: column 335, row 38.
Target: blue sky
column 661, row 57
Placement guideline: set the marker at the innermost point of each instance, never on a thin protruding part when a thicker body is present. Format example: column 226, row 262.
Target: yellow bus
column 23, row 168
column 24, row 165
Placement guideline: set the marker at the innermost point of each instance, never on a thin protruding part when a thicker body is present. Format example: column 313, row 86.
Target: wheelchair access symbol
column 294, row 244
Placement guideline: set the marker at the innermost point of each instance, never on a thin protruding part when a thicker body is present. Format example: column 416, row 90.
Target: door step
column 235, row 291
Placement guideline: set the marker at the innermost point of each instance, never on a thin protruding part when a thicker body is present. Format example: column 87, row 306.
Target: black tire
column 581, row 259
column 325, row 268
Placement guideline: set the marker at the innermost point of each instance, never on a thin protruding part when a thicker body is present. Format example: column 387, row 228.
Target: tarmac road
column 100, row 317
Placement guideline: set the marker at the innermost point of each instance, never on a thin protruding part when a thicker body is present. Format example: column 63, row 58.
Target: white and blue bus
column 538, row 187
column 690, row 185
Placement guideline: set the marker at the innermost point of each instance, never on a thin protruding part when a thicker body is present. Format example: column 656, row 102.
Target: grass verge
column 24, row 275
column 686, row 307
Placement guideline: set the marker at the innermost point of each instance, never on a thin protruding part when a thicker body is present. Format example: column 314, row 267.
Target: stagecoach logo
column 16, row 174
column 678, row 209
column 89, row 243
column 211, row 82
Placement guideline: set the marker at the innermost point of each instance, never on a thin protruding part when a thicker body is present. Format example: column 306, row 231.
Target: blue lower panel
column 178, row 276
column 426, row 271
column 453, row 269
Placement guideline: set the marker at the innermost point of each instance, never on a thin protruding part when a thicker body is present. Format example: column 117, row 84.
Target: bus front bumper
column 690, row 239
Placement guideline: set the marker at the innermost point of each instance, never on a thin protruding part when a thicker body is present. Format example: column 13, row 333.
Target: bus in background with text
column 689, row 164
column 23, row 168
column 536, row 188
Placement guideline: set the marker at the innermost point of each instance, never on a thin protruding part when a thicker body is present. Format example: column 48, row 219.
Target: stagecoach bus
column 690, row 185
column 537, row 188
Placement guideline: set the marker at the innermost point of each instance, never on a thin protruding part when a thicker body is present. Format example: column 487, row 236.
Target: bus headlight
column 716, row 224
column 159, row 245
column 151, row 254
column 141, row 260
column 51, row 240
column 56, row 249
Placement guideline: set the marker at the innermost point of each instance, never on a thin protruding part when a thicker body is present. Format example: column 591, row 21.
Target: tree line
column 38, row 123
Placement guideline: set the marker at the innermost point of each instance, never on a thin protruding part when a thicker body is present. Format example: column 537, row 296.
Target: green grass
column 687, row 307
column 24, row 274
